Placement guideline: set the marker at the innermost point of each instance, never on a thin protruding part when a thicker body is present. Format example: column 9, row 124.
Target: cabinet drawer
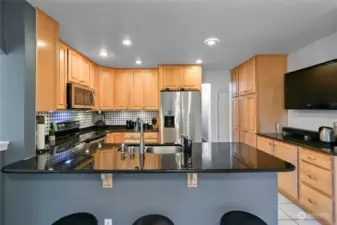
column 151, row 141
column 286, row 152
column 265, row 145
column 250, row 139
column 151, row 135
column 316, row 177
column 242, row 136
column 315, row 158
column 132, row 135
column 132, row 141
column 320, row 205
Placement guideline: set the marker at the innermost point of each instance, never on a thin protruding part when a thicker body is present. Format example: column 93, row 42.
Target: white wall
column 219, row 80
column 320, row 51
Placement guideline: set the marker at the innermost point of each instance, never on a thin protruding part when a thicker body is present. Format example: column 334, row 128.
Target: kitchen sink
column 155, row 149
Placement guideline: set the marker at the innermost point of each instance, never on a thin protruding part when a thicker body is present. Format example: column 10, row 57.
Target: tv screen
column 314, row 87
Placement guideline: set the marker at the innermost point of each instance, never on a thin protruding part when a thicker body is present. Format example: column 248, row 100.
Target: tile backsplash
column 88, row 119
column 120, row 117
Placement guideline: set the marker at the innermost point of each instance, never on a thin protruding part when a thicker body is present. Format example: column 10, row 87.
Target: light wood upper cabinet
column 235, row 113
column 235, row 82
column 250, row 113
column 106, row 88
column 94, row 84
column 191, row 77
column 242, row 79
column 177, row 77
column 250, row 76
column 46, row 61
column 74, row 66
column 84, row 74
column 122, row 89
column 151, row 91
column 61, row 77
column 137, row 101
column 171, row 77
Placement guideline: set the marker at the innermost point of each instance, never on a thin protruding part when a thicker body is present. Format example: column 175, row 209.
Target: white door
column 223, row 118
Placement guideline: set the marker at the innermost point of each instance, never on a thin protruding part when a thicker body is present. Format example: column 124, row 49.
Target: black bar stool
column 240, row 218
column 77, row 219
column 153, row 220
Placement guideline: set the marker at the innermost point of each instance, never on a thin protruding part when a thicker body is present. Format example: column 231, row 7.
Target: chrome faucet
column 141, row 142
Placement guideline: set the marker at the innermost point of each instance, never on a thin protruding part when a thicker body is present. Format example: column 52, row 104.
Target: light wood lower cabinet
column 265, row 145
column 247, row 138
column 311, row 185
column 288, row 181
column 317, row 204
column 132, row 137
column 235, row 135
column 316, row 177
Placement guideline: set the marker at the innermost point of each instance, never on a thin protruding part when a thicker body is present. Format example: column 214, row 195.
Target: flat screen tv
column 314, row 87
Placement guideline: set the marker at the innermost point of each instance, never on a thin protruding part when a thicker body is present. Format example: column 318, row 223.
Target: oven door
column 80, row 97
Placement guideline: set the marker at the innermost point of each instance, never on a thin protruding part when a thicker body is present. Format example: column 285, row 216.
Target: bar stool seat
column 240, row 218
column 153, row 220
column 77, row 219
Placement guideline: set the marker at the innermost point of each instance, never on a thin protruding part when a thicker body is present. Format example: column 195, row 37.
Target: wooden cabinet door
column 242, row 79
column 171, row 77
column 191, row 77
column 73, row 66
column 94, row 84
column 287, row 182
column 46, row 36
column 242, row 113
column 151, row 91
column 122, row 89
column 250, row 76
column 266, row 145
column 137, row 90
column 250, row 113
column 118, row 138
column 105, row 159
column 235, row 113
column 61, row 77
column 84, row 75
column 106, row 86
column 235, row 82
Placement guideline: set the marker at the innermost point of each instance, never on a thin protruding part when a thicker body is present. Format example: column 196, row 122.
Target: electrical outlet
column 108, row 222
column 192, row 180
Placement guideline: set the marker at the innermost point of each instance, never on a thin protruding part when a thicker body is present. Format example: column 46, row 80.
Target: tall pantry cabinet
column 257, row 87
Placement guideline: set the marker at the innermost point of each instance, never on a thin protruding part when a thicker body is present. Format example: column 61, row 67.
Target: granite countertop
column 205, row 158
column 315, row 145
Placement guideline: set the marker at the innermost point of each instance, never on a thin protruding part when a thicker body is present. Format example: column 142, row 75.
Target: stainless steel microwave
column 80, row 97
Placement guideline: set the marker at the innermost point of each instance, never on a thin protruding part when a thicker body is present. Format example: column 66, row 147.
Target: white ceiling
column 173, row 31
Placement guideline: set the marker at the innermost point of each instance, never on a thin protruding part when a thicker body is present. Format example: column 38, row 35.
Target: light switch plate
column 107, row 179
column 192, row 180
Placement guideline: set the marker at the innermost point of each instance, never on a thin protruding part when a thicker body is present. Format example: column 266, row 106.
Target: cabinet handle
column 312, row 202
column 312, row 178
column 309, row 157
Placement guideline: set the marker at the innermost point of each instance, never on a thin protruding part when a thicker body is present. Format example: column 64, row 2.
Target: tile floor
column 291, row 214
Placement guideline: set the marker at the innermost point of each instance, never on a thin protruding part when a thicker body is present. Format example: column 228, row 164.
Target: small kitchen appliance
column 326, row 134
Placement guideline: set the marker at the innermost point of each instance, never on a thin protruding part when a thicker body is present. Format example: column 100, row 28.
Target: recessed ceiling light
column 138, row 62
column 41, row 43
column 103, row 53
column 127, row 42
column 199, row 61
column 211, row 41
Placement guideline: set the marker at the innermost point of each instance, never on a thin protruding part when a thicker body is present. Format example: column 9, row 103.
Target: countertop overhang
column 206, row 157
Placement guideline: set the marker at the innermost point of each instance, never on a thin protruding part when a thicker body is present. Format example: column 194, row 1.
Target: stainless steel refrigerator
column 180, row 114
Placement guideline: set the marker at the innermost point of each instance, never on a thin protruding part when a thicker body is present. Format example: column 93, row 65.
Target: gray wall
column 320, row 51
column 17, row 94
column 42, row 199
